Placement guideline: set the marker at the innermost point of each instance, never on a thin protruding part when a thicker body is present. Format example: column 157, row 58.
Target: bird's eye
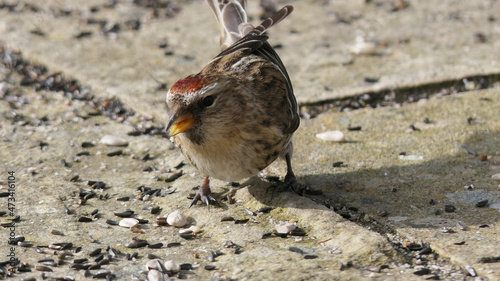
column 208, row 101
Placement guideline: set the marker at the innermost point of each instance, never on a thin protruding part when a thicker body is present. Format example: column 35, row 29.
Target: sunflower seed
column 125, row 214
column 136, row 244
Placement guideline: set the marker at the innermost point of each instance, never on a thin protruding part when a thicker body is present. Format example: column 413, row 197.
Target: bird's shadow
column 409, row 195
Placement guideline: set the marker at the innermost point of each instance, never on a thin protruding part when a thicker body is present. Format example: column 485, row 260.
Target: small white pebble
column 154, row 264
column 177, row 219
column 285, row 227
column 496, row 177
column 172, row 266
column 336, row 136
column 128, row 222
column 113, row 141
column 155, row 275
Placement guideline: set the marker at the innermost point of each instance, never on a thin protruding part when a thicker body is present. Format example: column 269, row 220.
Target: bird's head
column 197, row 104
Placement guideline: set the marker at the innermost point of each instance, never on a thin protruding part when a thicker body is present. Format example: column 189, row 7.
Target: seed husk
column 482, row 203
column 43, row 268
column 155, row 246
column 449, row 208
column 136, row 244
column 124, row 214
column 84, row 219
column 209, row 267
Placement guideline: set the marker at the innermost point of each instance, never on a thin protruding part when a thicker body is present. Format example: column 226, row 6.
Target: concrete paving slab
column 378, row 209
column 419, row 43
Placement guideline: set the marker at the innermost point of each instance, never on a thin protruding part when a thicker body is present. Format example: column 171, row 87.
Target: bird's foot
column 204, row 195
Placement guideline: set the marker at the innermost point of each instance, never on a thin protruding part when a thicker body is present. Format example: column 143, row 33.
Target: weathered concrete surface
column 423, row 43
column 387, row 199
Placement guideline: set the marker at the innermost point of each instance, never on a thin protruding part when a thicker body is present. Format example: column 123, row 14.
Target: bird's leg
column 290, row 181
column 204, row 195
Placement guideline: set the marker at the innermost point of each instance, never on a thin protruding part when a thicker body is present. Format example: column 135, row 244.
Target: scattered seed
column 25, row 244
column 65, row 164
column 209, row 267
column 56, row 232
column 422, row 272
column 173, row 244
column 241, row 221
column 482, row 203
column 87, row 144
column 40, row 251
column 186, row 266
column 155, row 246
column 75, row 178
column 296, row 250
column 112, row 222
column 123, row 199
column 449, row 208
column 425, row 251
column 227, row 219
column 79, row 261
column 155, row 210
column 338, row 164
column 95, row 252
column 84, row 219
column 94, row 267
column 83, row 153
column 310, row 256
column 125, row 214
column 43, row 268
column 102, row 275
column 265, row 210
column 187, row 235
column 115, row 153
column 357, row 128
column 136, row 244
column 459, row 243
column 483, row 226
column 489, row 259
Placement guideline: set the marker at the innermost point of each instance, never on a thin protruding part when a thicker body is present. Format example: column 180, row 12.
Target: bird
column 238, row 114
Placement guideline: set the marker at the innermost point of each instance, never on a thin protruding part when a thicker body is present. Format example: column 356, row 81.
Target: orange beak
column 179, row 124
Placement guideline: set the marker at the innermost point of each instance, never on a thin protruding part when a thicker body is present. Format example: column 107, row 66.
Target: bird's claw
column 204, row 198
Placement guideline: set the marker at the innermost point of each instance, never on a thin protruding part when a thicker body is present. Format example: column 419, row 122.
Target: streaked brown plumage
column 238, row 114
